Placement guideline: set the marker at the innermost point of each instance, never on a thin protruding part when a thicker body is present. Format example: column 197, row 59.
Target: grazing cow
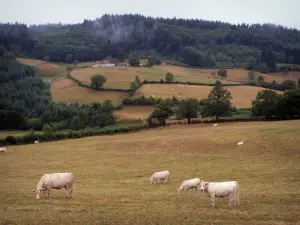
column 221, row 189
column 189, row 184
column 158, row 176
column 55, row 181
column 240, row 143
column 3, row 150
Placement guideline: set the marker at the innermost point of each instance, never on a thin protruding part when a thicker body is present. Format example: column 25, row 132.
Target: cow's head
column 203, row 185
column 37, row 192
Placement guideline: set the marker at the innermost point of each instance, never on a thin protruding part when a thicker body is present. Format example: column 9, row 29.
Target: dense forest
column 191, row 41
column 25, row 102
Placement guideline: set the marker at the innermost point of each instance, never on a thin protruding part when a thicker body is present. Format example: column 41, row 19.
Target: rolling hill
column 112, row 172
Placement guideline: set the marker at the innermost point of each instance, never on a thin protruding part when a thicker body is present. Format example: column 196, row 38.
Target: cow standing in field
column 55, row 181
column 189, row 184
column 159, row 176
column 221, row 189
column 3, row 150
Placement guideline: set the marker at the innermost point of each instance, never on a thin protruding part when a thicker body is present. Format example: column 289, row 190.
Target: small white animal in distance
column 240, row 143
column 3, row 150
column 36, row 142
column 215, row 125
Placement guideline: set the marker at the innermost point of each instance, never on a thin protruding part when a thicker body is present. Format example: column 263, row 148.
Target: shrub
column 35, row 124
column 11, row 140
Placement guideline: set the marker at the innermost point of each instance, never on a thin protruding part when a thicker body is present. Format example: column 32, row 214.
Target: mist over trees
column 191, row 41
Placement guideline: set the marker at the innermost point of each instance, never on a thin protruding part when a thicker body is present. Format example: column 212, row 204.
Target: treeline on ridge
column 191, row 41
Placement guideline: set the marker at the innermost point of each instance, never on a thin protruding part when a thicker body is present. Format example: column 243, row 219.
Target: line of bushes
column 101, row 89
column 285, row 85
column 188, row 83
column 181, row 64
column 31, row 136
column 145, row 101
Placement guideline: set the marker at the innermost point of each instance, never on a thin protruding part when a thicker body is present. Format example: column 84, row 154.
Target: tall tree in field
column 162, row 112
column 169, row 77
column 138, row 80
column 222, row 73
column 251, row 75
column 188, row 109
column 288, row 85
column 265, row 104
column 134, row 61
column 97, row 81
column 218, row 102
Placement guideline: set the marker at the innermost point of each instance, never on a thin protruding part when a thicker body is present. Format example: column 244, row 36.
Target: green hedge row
column 31, row 136
column 189, row 83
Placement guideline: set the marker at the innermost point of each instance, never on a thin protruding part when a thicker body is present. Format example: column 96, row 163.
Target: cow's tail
column 238, row 193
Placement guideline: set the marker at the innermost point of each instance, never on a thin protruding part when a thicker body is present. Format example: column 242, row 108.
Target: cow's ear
column 206, row 183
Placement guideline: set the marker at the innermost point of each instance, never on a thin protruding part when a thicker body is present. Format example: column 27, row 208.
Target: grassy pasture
column 134, row 112
column 66, row 90
column 242, row 95
column 112, row 175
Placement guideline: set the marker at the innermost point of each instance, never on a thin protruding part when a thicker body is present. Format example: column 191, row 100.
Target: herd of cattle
column 213, row 189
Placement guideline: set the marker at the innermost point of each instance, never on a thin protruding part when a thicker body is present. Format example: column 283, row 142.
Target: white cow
column 36, row 142
column 158, row 176
column 3, row 150
column 189, row 184
column 55, row 181
column 221, row 189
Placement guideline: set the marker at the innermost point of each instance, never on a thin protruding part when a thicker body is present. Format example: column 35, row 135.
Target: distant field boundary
column 102, row 89
column 191, row 83
column 112, row 130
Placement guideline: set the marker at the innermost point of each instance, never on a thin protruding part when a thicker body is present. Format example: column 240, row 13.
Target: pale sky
column 283, row 12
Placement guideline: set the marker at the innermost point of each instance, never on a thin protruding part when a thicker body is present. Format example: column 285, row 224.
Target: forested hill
column 194, row 42
column 25, row 102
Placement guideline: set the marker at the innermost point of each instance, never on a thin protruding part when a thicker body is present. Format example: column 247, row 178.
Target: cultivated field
column 242, row 95
column 66, row 90
column 112, row 175
column 46, row 70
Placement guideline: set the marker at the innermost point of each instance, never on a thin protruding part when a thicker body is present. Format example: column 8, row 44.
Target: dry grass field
column 134, row 112
column 121, row 77
column 233, row 75
column 112, row 175
column 66, row 90
column 242, row 95
column 46, row 70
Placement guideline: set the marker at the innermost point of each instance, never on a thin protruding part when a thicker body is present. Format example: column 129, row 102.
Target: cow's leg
column 212, row 200
column 166, row 179
column 70, row 192
column 48, row 191
column 232, row 197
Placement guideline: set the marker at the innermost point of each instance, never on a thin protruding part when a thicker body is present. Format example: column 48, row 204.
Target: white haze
column 281, row 12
